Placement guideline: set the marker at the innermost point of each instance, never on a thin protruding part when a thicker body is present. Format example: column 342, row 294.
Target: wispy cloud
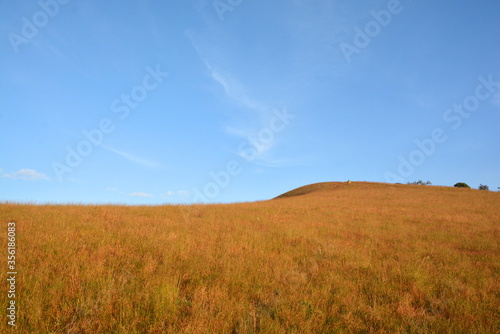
column 133, row 158
column 26, row 174
column 255, row 123
column 140, row 195
column 174, row 193
column 247, row 131
column 110, row 189
column 233, row 88
column 252, row 149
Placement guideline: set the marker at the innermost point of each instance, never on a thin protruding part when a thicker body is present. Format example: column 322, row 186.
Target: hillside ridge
column 337, row 185
column 323, row 186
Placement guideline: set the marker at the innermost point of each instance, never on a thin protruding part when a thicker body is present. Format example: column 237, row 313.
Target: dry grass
column 358, row 257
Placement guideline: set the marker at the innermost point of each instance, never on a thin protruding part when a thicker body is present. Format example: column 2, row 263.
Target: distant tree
column 483, row 187
column 461, row 185
column 420, row 183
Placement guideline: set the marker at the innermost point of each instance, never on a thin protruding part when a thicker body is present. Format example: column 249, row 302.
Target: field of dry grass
column 328, row 258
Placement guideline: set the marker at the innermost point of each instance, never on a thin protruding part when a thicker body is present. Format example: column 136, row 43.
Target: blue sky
column 149, row 102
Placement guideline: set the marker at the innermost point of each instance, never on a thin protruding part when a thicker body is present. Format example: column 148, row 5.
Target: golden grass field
column 326, row 258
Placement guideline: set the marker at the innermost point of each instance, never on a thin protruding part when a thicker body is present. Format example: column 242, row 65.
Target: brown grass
column 359, row 257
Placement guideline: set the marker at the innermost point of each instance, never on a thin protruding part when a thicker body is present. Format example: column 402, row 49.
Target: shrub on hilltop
column 420, row 183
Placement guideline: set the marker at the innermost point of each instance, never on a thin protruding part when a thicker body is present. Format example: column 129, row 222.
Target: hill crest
column 323, row 186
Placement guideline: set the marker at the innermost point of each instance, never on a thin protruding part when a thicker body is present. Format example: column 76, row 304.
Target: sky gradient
column 150, row 102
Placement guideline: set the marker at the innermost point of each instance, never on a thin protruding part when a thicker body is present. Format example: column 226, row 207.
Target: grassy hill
column 324, row 186
column 328, row 257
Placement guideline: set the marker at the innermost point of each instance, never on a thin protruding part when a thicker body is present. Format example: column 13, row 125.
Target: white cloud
column 234, row 89
column 140, row 195
column 110, row 189
column 255, row 122
column 175, row 193
column 26, row 174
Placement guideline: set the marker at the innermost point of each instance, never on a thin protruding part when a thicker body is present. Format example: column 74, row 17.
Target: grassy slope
column 340, row 257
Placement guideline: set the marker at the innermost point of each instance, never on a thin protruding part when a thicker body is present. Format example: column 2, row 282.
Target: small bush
column 420, row 183
column 461, row 185
column 483, row 187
